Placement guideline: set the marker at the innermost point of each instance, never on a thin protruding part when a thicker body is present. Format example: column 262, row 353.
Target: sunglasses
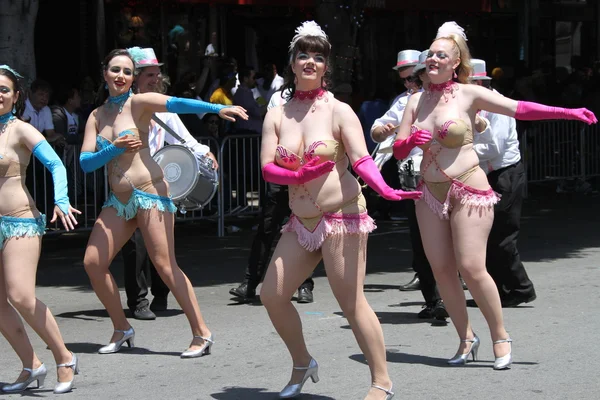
column 409, row 79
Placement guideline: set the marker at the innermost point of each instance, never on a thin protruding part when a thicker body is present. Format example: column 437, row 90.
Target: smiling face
column 8, row 96
column 309, row 66
column 442, row 60
column 119, row 75
column 148, row 78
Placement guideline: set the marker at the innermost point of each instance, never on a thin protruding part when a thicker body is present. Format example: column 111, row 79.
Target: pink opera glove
column 309, row 171
column 368, row 172
column 528, row 111
column 417, row 137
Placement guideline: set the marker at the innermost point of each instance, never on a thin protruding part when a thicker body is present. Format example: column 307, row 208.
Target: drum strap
column 168, row 128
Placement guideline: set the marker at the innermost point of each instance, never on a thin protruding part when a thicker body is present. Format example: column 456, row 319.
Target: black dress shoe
column 242, row 293
column 439, row 311
column 158, row 304
column 514, row 301
column 305, row 295
column 426, row 312
column 415, row 284
column 143, row 313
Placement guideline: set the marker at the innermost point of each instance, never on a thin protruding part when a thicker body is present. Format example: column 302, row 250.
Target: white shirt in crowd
column 498, row 145
column 275, row 86
column 158, row 136
column 41, row 120
column 394, row 116
column 210, row 50
column 72, row 122
column 278, row 98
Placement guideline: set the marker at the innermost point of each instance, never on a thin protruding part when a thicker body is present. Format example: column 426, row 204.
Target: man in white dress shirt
column 138, row 267
column 383, row 131
column 498, row 150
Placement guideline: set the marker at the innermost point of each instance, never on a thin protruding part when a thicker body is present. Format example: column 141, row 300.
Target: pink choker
column 448, row 87
column 310, row 94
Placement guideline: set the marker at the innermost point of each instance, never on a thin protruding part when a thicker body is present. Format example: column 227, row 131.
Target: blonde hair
column 461, row 50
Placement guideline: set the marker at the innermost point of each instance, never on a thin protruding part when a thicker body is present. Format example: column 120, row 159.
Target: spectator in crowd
column 222, row 95
column 211, row 49
column 245, row 98
column 370, row 110
column 269, row 82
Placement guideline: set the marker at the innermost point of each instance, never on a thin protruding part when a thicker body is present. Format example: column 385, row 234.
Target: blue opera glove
column 92, row 161
column 179, row 105
column 44, row 152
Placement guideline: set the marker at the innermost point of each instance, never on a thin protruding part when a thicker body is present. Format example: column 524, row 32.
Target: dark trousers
column 138, row 271
column 420, row 263
column 503, row 259
column 274, row 210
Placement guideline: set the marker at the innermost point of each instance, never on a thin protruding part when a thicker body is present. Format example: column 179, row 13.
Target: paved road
column 556, row 350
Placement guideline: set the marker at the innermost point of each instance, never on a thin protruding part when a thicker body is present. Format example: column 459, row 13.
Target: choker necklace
column 311, row 95
column 6, row 119
column 119, row 100
column 448, row 87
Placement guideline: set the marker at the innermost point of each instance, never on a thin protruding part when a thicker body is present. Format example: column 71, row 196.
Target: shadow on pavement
column 90, row 315
column 241, row 393
column 92, row 348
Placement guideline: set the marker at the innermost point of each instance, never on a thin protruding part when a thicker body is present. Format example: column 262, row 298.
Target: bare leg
column 156, row 227
column 12, row 328
column 20, row 259
column 108, row 236
column 470, row 230
column 438, row 245
column 290, row 265
column 345, row 258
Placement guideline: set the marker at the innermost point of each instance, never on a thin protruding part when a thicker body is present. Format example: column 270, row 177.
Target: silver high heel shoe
column 293, row 390
column 128, row 336
column 461, row 359
column 389, row 392
column 64, row 387
column 504, row 362
column 204, row 350
column 38, row 374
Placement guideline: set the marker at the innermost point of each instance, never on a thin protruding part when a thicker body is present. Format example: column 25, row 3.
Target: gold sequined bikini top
column 326, row 150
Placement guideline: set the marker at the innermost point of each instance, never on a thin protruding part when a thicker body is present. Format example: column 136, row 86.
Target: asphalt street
column 556, row 347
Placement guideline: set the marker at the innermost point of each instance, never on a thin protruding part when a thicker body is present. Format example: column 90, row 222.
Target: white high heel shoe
column 64, row 387
column 294, row 390
column 389, row 393
column 38, row 374
column 128, row 336
column 505, row 361
column 204, row 350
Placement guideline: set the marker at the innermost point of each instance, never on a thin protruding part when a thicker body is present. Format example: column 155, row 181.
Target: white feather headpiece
column 308, row 28
column 449, row 28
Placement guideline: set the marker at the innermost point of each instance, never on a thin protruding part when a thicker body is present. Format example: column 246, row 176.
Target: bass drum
column 192, row 182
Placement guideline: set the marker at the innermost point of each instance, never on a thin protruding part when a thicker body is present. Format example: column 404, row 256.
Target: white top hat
column 421, row 64
column 407, row 58
column 144, row 57
column 479, row 70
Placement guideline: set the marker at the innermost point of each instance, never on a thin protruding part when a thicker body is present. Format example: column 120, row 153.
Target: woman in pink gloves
column 456, row 211
column 307, row 144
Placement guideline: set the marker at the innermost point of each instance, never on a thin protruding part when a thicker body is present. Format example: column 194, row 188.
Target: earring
column 14, row 110
column 455, row 76
column 106, row 85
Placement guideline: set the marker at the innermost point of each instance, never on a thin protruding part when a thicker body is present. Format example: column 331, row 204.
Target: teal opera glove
column 92, row 161
column 44, row 152
column 179, row 105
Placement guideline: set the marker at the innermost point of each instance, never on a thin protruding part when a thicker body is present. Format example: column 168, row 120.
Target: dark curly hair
column 18, row 88
column 102, row 90
column 307, row 44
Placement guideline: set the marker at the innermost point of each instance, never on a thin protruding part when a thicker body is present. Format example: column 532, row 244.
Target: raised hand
column 582, row 114
column 229, row 113
column 420, row 136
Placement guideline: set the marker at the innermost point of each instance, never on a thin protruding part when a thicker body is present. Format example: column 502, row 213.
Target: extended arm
column 362, row 163
column 44, row 152
column 90, row 159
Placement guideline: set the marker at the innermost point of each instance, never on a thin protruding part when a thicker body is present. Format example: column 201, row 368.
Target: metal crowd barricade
column 239, row 168
column 240, row 183
column 555, row 150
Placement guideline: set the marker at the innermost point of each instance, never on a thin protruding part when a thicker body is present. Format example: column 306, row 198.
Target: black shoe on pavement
column 415, row 284
column 426, row 312
column 242, row 293
column 305, row 295
column 439, row 311
column 158, row 304
column 143, row 313
column 509, row 302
